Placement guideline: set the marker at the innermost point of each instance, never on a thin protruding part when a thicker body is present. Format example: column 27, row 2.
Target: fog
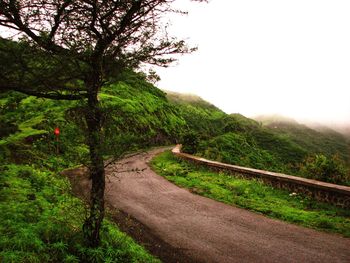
column 267, row 57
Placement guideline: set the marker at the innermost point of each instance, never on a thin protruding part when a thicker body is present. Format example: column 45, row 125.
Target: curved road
column 210, row 231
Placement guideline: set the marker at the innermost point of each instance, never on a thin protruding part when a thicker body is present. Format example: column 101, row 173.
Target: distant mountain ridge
column 190, row 99
column 320, row 139
column 343, row 129
column 274, row 143
column 340, row 128
column 267, row 119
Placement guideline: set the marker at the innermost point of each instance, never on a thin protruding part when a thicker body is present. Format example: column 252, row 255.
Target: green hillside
column 271, row 143
column 201, row 117
column 136, row 114
column 320, row 140
column 40, row 219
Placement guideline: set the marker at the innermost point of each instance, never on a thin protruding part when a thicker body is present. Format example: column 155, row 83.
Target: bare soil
column 179, row 226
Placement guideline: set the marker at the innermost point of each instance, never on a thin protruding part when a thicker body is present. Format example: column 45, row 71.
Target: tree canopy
column 73, row 39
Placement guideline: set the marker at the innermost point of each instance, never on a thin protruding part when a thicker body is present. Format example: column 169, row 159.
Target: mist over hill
column 320, row 138
column 342, row 128
column 273, row 143
column 267, row 119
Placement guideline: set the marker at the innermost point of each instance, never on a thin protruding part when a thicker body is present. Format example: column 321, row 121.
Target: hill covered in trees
column 273, row 144
column 318, row 140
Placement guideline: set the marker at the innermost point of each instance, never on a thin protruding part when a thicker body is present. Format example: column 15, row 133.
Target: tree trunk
column 92, row 224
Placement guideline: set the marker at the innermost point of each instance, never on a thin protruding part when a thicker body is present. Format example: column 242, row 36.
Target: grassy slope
column 316, row 140
column 253, row 195
column 139, row 115
column 40, row 221
column 200, row 116
column 239, row 140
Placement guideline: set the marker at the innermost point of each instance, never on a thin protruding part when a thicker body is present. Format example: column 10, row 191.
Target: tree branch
column 48, row 95
column 57, row 18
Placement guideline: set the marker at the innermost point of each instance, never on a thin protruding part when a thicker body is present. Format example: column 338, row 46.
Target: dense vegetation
column 136, row 115
column 323, row 140
column 253, row 195
column 40, row 220
column 279, row 145
column 70, row 50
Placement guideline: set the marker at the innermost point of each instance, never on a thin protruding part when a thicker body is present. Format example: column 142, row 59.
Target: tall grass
column 41, row 222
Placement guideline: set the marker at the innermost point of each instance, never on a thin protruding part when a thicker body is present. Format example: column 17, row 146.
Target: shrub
column 190, row 143
column 323, row 168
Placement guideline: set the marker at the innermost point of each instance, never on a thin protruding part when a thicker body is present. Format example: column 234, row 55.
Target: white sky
column 262, row 57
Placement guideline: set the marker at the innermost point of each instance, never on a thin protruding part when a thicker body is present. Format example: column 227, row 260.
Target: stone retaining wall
column 325, row 192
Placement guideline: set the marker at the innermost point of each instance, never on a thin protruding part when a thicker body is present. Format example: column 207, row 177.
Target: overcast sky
column 262, row 57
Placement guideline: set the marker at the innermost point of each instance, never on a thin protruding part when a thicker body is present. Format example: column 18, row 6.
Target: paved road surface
column 210, row 231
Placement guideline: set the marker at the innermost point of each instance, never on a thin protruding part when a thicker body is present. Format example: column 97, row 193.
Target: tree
column 69, row 49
